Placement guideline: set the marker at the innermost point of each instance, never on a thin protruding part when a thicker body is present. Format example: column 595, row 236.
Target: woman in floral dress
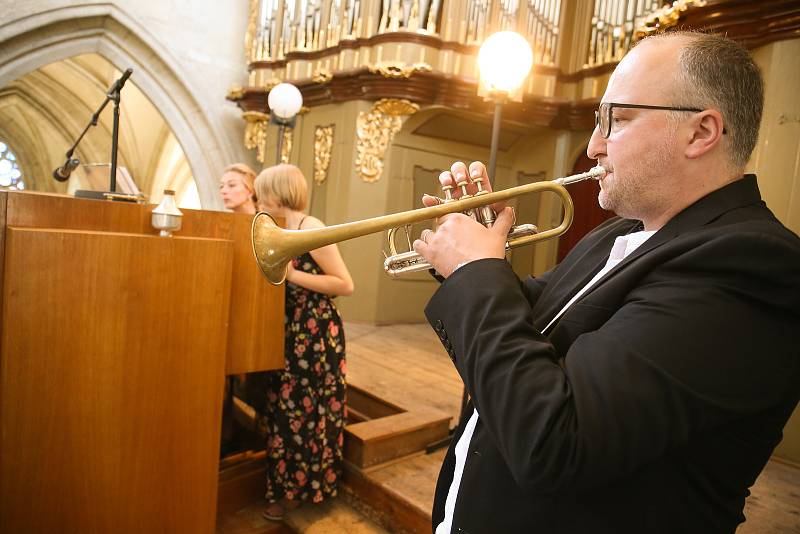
column 305, row 403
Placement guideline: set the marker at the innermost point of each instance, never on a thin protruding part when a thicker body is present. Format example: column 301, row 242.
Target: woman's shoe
column 274, row 511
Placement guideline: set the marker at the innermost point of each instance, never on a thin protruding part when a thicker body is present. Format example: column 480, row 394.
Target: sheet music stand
column 95, row 179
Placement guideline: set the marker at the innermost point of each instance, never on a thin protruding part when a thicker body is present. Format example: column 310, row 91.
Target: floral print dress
column 306, row 401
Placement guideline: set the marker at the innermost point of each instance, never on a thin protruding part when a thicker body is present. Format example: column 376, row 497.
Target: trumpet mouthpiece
column 595, row 173
column 598, row 172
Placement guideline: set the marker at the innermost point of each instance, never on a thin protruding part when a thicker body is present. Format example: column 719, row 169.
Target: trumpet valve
column 478, row 181
column 448, row 193
column 464, row 195
column 463, row 185
column 485, row 213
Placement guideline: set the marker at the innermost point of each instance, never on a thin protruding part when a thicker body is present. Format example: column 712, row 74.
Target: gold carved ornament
column 323, row 145
column 286, row 145
column 665, row 17
column 375, row 130
column 322, row 76
column 270, row 84
column 398, row 69
column 255, row 132
column 235, row 93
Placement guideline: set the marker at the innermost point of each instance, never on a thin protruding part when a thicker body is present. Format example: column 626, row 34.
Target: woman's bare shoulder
column 311, row 222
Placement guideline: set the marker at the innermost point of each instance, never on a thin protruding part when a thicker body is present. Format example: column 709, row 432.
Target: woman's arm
column 336, row 281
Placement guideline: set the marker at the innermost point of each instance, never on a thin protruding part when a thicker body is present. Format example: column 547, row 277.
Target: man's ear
column 707, row 131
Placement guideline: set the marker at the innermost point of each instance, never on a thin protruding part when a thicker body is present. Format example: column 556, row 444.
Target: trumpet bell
column 270, row 248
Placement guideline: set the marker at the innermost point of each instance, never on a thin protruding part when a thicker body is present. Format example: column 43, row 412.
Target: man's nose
column 597, row 145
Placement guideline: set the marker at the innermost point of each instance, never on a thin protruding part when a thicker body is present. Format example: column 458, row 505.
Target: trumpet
column 275, row 247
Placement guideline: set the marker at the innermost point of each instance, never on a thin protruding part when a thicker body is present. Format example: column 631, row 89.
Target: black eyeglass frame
column 611, row 105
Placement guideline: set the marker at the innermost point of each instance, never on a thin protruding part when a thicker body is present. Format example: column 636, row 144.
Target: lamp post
column 504, row 61
column 284, row 102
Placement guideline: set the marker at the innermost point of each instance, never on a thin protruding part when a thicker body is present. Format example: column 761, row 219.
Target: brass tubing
column 274, row 247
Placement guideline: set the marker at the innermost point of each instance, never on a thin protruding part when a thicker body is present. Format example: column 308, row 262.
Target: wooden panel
column 3, row 202
column 255, row 334
column 256, row 330
column 48, row 210
column 111, row 381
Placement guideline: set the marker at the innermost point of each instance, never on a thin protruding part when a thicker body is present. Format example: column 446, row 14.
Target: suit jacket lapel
column 734, row 195
column 580, row 265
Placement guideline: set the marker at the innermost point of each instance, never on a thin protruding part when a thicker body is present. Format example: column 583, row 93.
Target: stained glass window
column 10, row 173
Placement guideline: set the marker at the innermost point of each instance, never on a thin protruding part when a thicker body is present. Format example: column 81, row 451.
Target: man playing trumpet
column 642, row 384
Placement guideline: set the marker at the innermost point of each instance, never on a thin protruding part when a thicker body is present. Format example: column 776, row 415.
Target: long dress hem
column 306, row 401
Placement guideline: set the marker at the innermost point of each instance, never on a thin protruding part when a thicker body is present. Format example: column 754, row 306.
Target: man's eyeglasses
column 603, row 118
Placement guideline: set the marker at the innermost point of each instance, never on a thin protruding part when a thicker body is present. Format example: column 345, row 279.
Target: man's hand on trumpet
column 459, row 239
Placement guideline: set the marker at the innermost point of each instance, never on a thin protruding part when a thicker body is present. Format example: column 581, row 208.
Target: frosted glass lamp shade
column 504, row 60
column 285, row 100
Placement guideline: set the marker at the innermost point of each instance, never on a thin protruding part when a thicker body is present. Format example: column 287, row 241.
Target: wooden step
column 334, row 516
column 382, row 431
column 385, row 505
column 242, row 481
column 249, row 520
column 378, row 441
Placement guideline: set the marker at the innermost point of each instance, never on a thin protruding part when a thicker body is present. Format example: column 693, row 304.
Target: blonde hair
column 285, row 184
column 248, row 177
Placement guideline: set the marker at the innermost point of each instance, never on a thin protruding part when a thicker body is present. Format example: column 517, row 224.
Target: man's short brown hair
column 719, row 73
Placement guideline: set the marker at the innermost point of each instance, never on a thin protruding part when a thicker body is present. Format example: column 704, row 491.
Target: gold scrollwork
column 665, row 17
column 783, row 118
column 255, row 133
column 270, row 84
column 286, row 145
column 235, row 93
column 395, row 107
column 323, row 145
column 322, row 76
column 398, row 69
column 375, row 130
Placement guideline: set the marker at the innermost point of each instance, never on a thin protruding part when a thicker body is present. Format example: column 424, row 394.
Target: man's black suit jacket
column 657, row 398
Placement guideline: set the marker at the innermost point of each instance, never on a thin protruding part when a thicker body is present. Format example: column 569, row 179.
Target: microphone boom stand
column 112, row 95
column 112, row 179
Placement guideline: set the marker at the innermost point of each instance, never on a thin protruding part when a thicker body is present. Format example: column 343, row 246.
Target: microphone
column 120, row 82
column 62, row 173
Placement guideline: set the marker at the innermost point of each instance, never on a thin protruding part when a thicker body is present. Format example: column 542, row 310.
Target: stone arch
column 36, row 40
